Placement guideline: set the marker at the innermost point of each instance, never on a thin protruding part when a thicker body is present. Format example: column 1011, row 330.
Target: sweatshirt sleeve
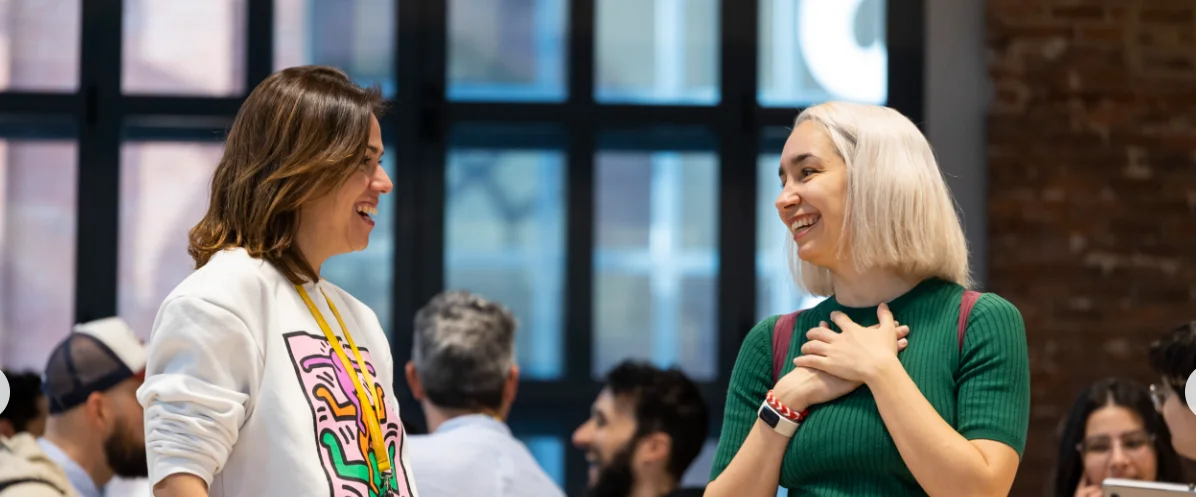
column 202, row 370
column 750, row 380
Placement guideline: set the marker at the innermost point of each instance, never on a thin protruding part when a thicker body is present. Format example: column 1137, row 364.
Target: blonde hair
column 899, row 214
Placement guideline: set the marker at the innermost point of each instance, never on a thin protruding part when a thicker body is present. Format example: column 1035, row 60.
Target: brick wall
column 1092, row 189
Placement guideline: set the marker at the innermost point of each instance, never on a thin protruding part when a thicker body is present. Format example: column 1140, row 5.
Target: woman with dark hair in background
column 263, row 379
column 1113, row 431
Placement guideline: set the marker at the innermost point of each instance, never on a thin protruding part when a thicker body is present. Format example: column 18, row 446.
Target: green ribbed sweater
column 843, row 447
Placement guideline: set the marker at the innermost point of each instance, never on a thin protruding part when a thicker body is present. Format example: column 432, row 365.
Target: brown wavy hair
column 299, row 135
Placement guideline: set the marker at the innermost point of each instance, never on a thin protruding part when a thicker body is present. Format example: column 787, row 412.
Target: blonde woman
column 875, row 229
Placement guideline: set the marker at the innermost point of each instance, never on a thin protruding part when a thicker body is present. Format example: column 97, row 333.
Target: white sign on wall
column 817, row 50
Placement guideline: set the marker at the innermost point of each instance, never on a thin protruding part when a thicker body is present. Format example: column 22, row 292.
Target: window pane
column 163, row 194
column 507, row 50
column 657, row 51
column 37, row 249
column 505, row 240
column 549, row 452
column 368, row 275
column 357, row 36
column 656, row 260
column 698, row 473
column 184, row 48
column 815, row 50
column 39, row 45
column 776, row 291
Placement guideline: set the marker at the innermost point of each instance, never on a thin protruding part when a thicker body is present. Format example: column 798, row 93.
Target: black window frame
column 418, row 125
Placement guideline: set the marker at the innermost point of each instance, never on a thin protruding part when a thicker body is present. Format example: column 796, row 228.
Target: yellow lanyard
column 369, row 411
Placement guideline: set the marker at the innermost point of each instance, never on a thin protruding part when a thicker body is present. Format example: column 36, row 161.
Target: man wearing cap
column 95, row 429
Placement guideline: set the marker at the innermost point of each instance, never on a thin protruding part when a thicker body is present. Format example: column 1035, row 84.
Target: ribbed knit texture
column 843, row 447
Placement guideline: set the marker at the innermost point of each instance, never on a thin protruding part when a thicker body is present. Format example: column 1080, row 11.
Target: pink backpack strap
column 965, row 309
column 782, row 335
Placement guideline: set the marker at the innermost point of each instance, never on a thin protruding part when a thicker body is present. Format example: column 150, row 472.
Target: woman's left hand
column 857, row 353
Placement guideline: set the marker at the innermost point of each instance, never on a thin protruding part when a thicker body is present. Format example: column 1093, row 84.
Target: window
column 698, row 474
column 507, row 50
column 185, row 48
column 37, row 249
column 595, row 217
column 549, row 453
column 657, row 52
column 656, row 260
column 356, row 36
column 814, row 50
column 163, row 194
column 505, row 240
column 39, row 45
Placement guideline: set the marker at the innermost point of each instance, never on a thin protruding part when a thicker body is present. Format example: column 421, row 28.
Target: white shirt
column 243, row 390
column 128, row 487
column 476, row 456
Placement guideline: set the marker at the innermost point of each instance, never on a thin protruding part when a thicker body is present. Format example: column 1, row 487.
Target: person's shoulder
column 993, row 306
column 420, row 441
column 995, row 322
column 986, row 306
column 232, row 287
column 343, row 295
column 760, row 337
column 231, row 276
column 22, row 460
column 534, row 479
column 20, row 446
column 444, row 453
column 362, row 313
column 764, row 329
column 430, row 453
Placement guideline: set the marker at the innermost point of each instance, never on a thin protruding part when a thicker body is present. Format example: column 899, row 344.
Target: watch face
column 770, row 417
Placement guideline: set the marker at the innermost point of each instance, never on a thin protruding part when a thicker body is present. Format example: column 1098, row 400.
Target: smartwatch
column 776, row 421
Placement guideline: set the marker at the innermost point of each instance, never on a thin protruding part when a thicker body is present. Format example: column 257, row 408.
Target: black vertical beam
column 406, row 113
column 579, row 242
column 579, row 287
column 98, row 209
column 737, row 180
column 259, row 43
column 579, row 238
column 419, row 173
column 905, row 33
column 433, row 146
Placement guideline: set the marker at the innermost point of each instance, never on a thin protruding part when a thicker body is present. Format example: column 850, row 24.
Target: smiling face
column 607, row 439
column 1116, row 445
column 813, row 194
column 343, row 218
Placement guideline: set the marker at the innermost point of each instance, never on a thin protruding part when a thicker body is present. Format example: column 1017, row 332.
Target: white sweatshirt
column 243, row 390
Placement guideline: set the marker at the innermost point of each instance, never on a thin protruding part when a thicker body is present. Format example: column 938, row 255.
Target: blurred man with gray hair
column 463, row 373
